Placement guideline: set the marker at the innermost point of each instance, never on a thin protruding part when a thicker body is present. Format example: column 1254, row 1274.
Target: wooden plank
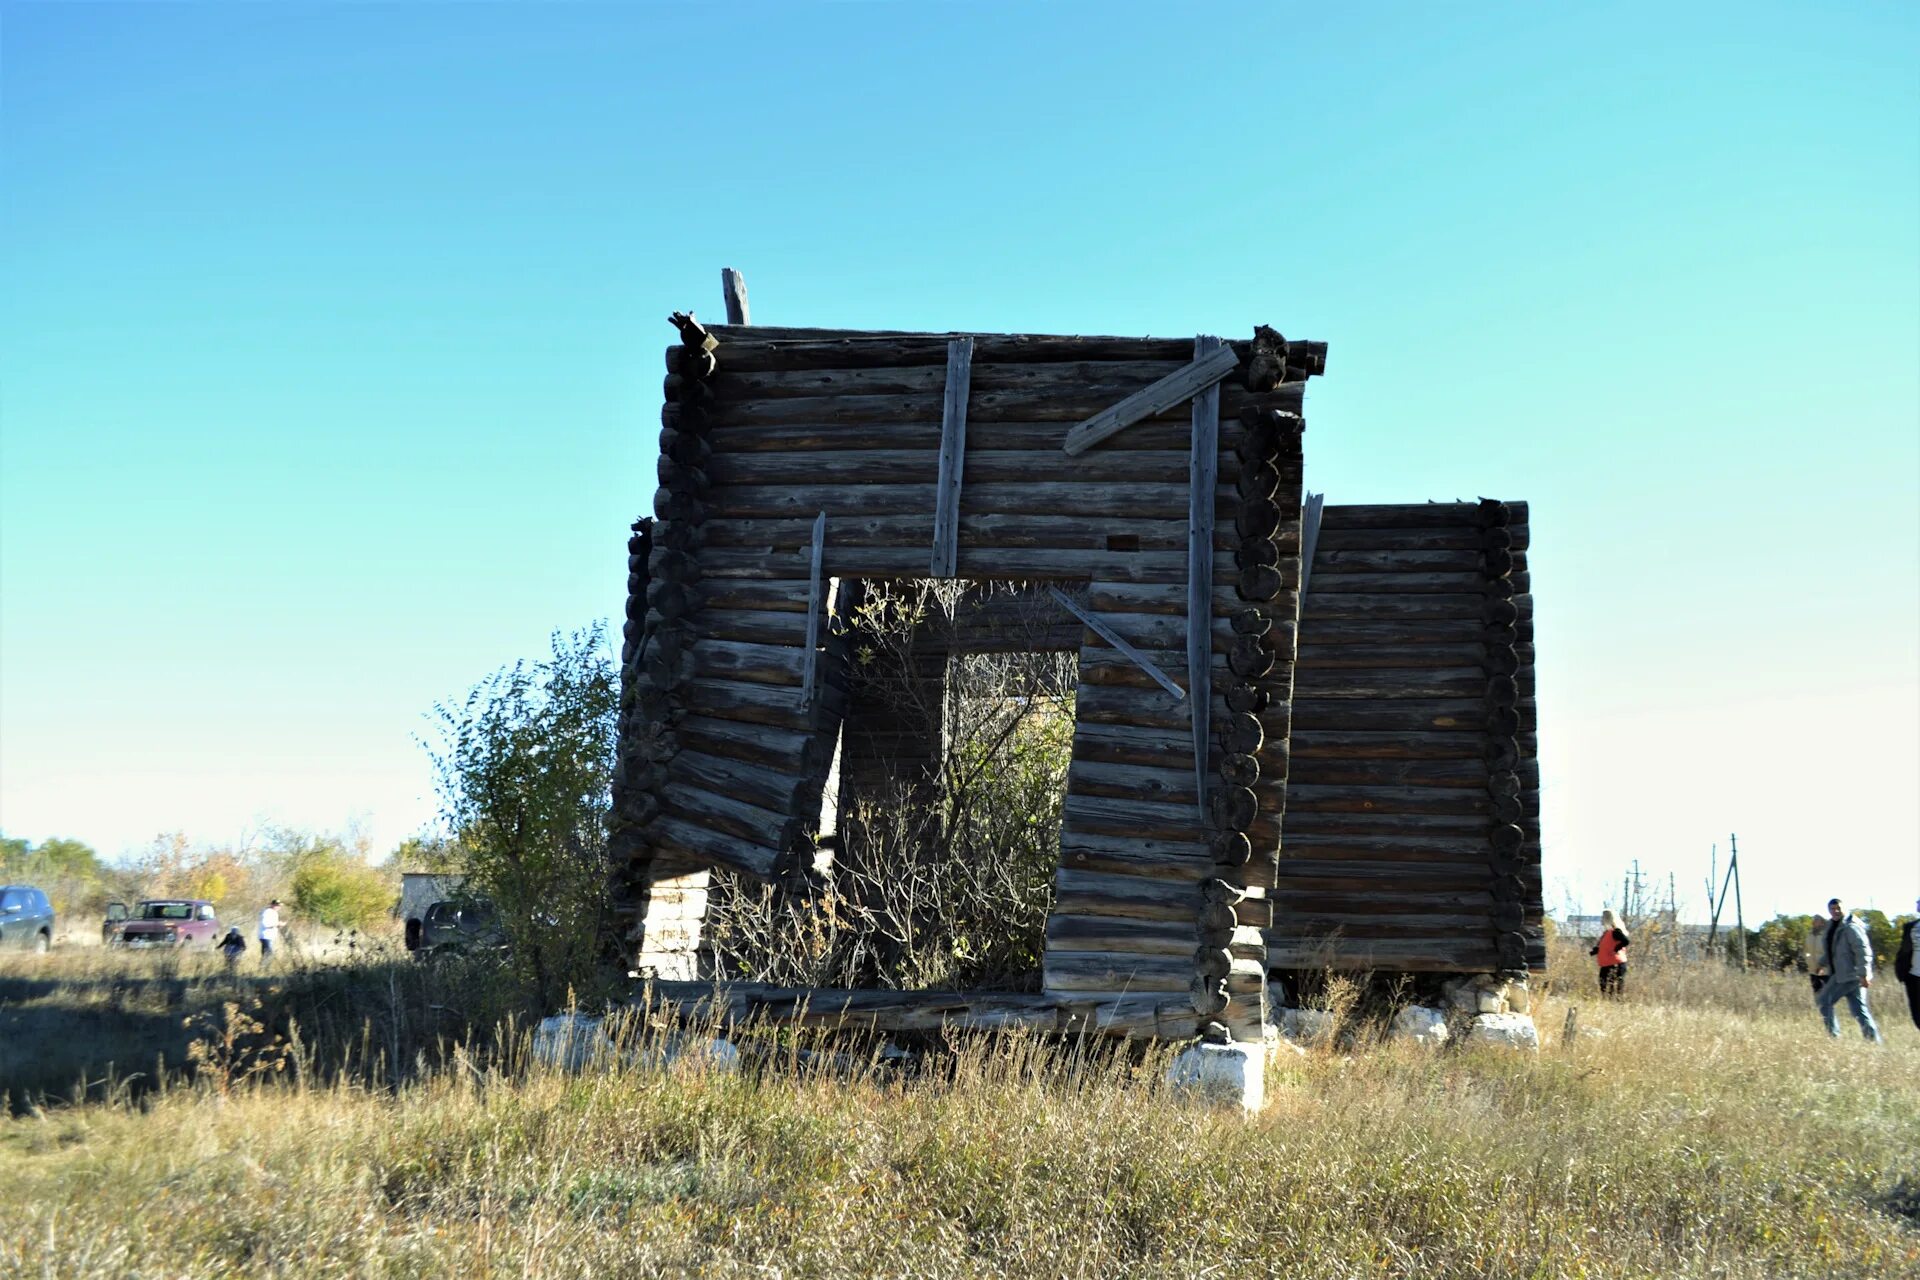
column 1114, row 638
column 734, row 286
column 1453, row 953
column 706, row 847
column 1328, row 580
column 1435, row 560
column 1065, row 405
column 816, row 600
column 953, row 457
column 1310, row 510
column 793, row 347
column 1006, row 435
column 1102, row 1013
column 1387, row 683
column 1114, row 971
column 1203, row 468
column 1094, row 893
column 1411, row 538
column 760, row 786
column 1163, row 395
column 1141, row 500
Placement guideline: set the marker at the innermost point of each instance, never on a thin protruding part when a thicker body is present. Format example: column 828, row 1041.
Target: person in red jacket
column 1611, row 951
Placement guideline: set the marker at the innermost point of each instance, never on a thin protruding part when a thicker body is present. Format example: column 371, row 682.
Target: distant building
column 420, row 890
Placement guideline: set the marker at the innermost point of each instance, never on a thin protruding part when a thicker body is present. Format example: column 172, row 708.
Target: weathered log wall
column 1412, row 828
column 1169, row 844
column 728, row 715
column 1163, row 888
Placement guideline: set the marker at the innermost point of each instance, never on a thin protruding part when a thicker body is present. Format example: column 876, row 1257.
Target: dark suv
column 460, row 924
column 26, row 918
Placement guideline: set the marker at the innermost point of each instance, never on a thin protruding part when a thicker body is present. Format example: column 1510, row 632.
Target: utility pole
column 1739, row 919
column 1713, row 877
column 1719, row 900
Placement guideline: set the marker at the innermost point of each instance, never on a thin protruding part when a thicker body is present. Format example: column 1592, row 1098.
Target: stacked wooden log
column 765, row 429
column 723, row 756
column 1160, row 890
column 1508, row 798
column 1251, row 796
column 627, row 853
column 1411, row 836
column 804, row 421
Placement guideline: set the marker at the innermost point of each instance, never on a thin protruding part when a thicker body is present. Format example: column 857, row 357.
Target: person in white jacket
column 269, row 929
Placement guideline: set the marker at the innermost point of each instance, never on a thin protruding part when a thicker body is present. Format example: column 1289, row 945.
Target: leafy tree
column 1882, row 934
column 525, row 766
column 339, row 890
column 1779, row 943
column 426, row 853
column 69, row 870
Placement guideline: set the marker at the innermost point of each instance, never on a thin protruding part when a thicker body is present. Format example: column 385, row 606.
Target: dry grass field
column 1710, row 1129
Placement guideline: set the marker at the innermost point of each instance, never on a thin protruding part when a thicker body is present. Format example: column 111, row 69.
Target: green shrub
column 525, row 768
column 340, row 891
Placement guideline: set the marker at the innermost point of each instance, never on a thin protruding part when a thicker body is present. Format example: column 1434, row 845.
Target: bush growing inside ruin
column 937, row 882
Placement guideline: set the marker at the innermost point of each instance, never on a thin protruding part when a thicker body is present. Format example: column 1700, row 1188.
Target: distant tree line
column 324, row 879
column 1781, row 942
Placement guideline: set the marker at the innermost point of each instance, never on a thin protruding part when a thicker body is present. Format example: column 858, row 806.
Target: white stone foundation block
column 1307, row 1026
column 1512, row 1030
column 701, row 1053
column 1223, row 1074
column 569, row 1041
column 1278, row 1044
column 573, row 1042
column 1421, row 1025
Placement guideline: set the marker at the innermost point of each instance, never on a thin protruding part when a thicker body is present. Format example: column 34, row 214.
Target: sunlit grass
column 1709, row 1128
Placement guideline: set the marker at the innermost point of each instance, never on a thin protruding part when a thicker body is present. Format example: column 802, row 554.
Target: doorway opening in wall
column 941, row 823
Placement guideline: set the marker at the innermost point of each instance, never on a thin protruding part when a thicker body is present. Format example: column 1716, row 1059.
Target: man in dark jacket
column 1849, row 958
column 1905, row 965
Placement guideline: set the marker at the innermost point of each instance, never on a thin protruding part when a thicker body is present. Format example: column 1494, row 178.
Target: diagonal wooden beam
column 1181, row 384
column 1112, row 637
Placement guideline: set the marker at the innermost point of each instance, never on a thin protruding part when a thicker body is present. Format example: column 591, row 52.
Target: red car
column 167, row 922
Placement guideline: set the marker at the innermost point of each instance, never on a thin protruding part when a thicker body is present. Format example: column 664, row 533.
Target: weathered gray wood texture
column 953, row 459
column 724, row 754
column 1399, row 703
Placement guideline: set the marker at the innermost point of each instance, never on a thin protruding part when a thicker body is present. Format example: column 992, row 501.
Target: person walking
column 1814, row 955
column 1849, row 959
column 1612, row 953
column 269, row 930
column 1906, row 965
column 233, row 946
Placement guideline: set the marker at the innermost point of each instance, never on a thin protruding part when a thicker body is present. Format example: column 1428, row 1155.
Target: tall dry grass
column 90, row 1023
column 1676, row 1136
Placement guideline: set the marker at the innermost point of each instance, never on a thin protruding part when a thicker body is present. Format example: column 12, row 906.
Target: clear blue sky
column 331, row 342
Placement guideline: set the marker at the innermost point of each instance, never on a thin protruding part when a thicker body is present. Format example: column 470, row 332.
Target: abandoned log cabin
column 1147, row 494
